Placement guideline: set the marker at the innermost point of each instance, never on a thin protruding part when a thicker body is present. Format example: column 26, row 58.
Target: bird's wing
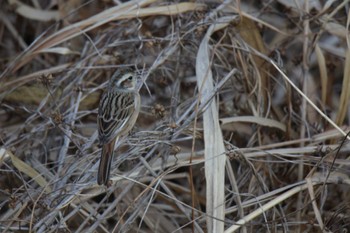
column 114, row 115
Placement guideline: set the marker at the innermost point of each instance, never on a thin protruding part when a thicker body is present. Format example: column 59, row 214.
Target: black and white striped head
column 124, row 80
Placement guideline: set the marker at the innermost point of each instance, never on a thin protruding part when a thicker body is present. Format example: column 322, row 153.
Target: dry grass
column 245, row 111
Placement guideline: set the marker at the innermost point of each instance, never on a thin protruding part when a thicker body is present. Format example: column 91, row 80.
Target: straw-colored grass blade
column 323, row 72
column 255, row 120
column 345, row 93
column 34, row 13
column 29, row 171
column 214, row 145
column 132, row 9
column 251, row 35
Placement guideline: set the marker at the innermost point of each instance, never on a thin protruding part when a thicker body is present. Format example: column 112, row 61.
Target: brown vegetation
column 245, row 110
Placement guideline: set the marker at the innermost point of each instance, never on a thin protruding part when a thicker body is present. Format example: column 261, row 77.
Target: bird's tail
column 105, row 163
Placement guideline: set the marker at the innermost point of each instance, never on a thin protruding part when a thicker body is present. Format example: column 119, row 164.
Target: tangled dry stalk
column 245, row 111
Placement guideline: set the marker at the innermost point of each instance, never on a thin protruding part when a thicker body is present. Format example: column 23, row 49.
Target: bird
column 118, row 110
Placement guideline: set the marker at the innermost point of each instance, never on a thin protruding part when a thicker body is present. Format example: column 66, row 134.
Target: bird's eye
column 130, row 78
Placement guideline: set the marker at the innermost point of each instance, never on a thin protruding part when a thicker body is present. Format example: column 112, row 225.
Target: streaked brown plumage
column 117, row 114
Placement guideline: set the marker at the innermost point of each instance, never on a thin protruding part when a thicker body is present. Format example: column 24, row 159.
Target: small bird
column 118, row 110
